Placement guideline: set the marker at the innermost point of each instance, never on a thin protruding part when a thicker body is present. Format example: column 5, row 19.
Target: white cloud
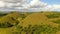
column 14, row 1
column 2, row 4
column 35, row 3
column 24, row 4
column 52, row 7
column 56, row 6
column 32, row 5
column 11, row 5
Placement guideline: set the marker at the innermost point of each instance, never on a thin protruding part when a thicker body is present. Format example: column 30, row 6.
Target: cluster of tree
column 52, row 16
column 2, row 14
column 57, row 21
column 37, row 29
column 8, row 22
column 22, row 16
column 5, row 25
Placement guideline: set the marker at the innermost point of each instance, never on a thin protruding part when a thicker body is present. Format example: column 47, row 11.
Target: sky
column 30, row 5
column 51, row 1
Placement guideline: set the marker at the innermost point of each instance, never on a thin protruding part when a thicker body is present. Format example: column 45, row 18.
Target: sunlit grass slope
column 37, row 18
column 30, row 23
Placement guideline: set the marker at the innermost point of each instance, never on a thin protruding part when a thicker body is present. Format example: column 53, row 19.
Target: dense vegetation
column 37, row 29
column 53, row 15
column 57, row 21
column 30, row 23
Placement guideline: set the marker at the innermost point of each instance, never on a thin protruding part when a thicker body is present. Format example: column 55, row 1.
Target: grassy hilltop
column 30, row 23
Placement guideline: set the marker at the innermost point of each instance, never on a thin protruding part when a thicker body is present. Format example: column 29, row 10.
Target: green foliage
column 57, row 21
column 18, row 30
column 53, row 15
column 37, row 29
column 22, row 15
column 16, row 21
column 5, row 25
column 2, row 15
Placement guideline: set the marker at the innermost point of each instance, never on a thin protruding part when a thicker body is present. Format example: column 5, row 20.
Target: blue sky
column 51, row 1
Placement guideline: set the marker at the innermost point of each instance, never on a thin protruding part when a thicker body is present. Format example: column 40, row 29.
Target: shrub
column 37, row 29
column 5, row 25
column 2, row 15
column 52, row 16
column 22, row 16
column 57, row 21
column 15, row 20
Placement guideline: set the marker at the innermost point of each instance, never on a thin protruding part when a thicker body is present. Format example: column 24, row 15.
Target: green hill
column 30, row 23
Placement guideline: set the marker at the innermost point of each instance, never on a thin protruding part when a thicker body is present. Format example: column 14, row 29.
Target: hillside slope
column 30, row 23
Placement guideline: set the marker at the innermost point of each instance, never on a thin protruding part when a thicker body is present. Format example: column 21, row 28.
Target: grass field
column 30, row 23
